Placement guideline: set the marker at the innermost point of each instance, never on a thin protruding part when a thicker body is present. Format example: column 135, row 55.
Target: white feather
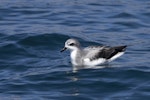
column 73, row 57
column 99, row 61
column 116, row 56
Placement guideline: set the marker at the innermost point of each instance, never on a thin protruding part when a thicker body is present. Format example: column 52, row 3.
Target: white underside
column 99, row 61
column 116, row 56
column 87, row 62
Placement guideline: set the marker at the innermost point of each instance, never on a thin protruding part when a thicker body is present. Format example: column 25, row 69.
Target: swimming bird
column 92, row 55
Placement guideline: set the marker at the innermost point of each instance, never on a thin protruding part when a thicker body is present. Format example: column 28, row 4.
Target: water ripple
column 33, row 32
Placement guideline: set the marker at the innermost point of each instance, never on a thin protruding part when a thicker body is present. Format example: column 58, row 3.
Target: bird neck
column 76, row 57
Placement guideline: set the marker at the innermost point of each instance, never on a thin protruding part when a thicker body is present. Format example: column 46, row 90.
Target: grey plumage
column 108, row 52
column 92, row 55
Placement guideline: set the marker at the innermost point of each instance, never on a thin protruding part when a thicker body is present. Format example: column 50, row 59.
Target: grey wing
column 91, row 51
column 104, row 52
column 91, row 48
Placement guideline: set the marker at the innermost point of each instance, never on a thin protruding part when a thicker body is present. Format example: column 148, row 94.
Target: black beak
column 63, row 49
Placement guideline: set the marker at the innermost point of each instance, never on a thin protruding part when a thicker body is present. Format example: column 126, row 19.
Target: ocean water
column 32, row 33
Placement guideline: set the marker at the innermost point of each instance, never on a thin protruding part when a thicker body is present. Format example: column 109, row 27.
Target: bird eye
column 72, row 44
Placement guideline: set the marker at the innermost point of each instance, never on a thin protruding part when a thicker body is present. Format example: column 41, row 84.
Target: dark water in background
column 33, row 31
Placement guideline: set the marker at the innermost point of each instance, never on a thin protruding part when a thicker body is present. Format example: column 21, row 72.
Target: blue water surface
column 32, row 32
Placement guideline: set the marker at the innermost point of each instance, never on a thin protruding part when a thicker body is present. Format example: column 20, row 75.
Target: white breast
column 73, row 57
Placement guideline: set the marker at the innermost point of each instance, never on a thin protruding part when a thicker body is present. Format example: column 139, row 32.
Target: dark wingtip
column 125, row 46
column 121, row 48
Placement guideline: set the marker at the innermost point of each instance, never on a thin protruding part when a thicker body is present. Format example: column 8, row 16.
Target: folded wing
column 94, row 53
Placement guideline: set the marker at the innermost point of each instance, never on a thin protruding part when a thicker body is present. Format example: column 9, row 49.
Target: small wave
column 49, row 40
column 11, row 51
column 123, row 15
column 130, row 24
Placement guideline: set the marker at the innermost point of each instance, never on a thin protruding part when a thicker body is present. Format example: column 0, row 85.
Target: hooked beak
column 63, row 49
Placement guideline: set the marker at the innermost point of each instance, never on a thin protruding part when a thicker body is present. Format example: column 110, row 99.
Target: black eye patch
column 72, row 44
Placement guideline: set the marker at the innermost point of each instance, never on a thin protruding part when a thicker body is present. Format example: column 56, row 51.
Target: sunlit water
column 32, row 32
